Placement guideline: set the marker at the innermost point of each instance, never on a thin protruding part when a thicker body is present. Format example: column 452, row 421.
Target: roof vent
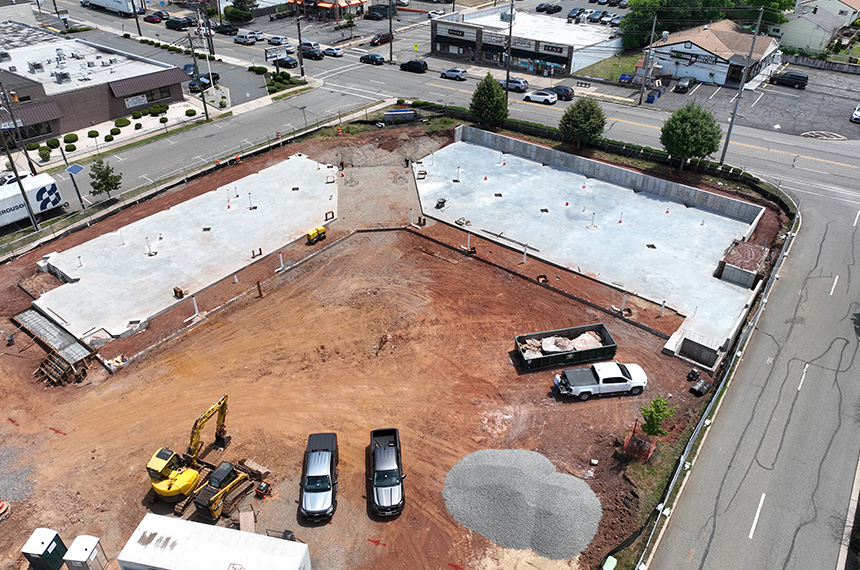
column 113, row 60
column 665, row 36
column 705, row 27
column 91, row 64
column 63, row 77
column 13, row 68
column 36, row 66
column 5, row 56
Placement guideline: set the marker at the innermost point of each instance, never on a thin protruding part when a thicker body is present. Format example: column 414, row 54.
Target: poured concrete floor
column 123, row 278
column 644, row 244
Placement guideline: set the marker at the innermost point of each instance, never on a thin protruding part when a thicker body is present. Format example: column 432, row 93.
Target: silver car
column 457, row 73
column 319, row 481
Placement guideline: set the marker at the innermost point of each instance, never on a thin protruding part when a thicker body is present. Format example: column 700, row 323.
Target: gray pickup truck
column 386, row 472
column 601, row 378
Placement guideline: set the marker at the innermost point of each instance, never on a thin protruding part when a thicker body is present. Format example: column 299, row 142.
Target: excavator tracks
column 180, row 507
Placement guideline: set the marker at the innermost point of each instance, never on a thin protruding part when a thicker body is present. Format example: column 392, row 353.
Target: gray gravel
column 15, row 482
column 517, row 499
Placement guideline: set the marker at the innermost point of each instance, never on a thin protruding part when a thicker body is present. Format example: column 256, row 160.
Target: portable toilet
column 86, row 553
column 44, row 550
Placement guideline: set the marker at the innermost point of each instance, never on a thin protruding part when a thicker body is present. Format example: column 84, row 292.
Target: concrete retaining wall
column 686, row 195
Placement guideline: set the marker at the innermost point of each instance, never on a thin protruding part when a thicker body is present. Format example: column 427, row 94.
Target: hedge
column 136, row 115
column 162, row 120
column 114, row 131
column 108, row 138
column 137, row 126
column 70, row 138
column 93, row 134
column 53, row 143
column 32, row 146
column 189, row 113
column 71, row 148
column 44, row 153
column 122, row 122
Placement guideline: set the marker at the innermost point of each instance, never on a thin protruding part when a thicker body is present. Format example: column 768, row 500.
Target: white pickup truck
column 601, row 378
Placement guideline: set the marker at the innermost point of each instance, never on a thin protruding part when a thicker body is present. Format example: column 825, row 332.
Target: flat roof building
column 541, row 44
column 57, row 85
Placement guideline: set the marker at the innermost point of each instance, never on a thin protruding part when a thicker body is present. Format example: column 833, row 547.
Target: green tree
column 691, row 132
column 489, row 105
column 672, row 15
column 583, row 121
column 654, row 414
column 245, row 5
column 103, row 179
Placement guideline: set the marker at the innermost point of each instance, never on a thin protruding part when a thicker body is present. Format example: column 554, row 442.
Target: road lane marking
column 757, row 100
column 379, row 82
column 835, row 281
column 856, row 218
column 802, row 377
column 757, row 513
column 118, row 157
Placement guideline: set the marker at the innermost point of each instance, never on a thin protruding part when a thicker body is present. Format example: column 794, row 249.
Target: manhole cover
column 824, row 135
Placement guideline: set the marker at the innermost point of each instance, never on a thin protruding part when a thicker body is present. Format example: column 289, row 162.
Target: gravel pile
column 15, row 482
column 517, row 499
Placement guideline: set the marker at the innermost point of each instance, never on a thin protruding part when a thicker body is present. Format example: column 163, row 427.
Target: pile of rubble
column 535, row 348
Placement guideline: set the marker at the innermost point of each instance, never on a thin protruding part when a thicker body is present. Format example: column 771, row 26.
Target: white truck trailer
column 42, row 193
column 124, row 8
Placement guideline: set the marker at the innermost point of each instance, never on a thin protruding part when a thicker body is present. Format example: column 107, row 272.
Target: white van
column 308, row 45
column 246, row 39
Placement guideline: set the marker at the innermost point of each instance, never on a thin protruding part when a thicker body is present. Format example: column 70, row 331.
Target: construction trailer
column 170, row 543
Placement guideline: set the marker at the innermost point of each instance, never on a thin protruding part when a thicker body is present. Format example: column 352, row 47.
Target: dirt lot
column 389, row 328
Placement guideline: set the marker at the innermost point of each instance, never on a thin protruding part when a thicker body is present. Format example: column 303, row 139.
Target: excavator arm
column 194, row 445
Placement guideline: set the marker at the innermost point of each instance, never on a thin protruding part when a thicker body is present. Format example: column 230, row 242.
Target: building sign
column 694, row 57
column 135, row 101
column 495, row 39
column 458, row 33
column 276, row 53
column 552, row 48
column 521, row 43
column 466, row 33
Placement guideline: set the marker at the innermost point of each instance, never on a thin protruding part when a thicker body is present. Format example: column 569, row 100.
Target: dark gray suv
column 790, row 78
column 319, row 480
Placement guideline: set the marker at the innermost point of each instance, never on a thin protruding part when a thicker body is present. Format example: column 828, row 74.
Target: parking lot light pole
column 299, row 51
column 508, row 59
column 741, row 90
column 390, row 31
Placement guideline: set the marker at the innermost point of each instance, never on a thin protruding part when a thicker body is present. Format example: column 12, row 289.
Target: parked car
column 178, row 24
column 612, row 3
column 573, row 14
column 313, row 54
column 244, row 39
column 541, row 7
column 415, row 66
column 162, row 14
column 616, row 21
column 435, row 13
column 791, row 79
column 685, row 84
column 607, row 17
column 372, row 58
column 516, row 84
column 226, row 29
column 152, row 18
column 374, row 16
column 381, row 38
column 596, row 16
column 386, row 472
column 258, row 35
column 855, row 116
column 553, row 8
column 564, row 92
column 602, row 2
column 278, row 40
column 333, row 52
column 622, row 4
column 457, row 73
column 206, row 81
column 601, row 378
column 546, row 97
column 188, row 69
column 308, row 44
column 318, row 499
column 401, row 2
column 287, row 62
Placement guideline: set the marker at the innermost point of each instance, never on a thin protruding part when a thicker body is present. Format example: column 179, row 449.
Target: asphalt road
column 772, row 484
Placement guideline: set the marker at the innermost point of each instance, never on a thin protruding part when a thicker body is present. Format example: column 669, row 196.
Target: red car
column 154, row 18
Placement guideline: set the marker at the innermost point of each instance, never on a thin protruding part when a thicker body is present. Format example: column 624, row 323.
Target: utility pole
column 20, row 184
column 57, row 11
column 299, row 51
column 20, row 139
column 508, row 59
column 741, row 90
column 199, row 81
column 646, row 70
column 136, row 19
column 390, row 31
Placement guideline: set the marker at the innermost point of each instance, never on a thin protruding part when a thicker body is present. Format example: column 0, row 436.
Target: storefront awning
column 34, row 113
column 559, row 59
column 342, row 3
column 325, row 5
column 495, row 48
column 356, row 2
column 521, row 53
column 456, row 41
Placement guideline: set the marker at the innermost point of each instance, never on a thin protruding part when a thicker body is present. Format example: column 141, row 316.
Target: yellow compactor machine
column 176, row 477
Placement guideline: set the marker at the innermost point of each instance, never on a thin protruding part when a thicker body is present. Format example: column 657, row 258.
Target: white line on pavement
column 757, row 100
column 835, row 281
column 118, row 157
column 802, row 377
column 856, row 218
column 757, row 513
column 715, row 92
column 379, row 82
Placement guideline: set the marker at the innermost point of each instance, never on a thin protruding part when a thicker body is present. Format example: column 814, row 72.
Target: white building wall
column 800, row 33
column 701, row 64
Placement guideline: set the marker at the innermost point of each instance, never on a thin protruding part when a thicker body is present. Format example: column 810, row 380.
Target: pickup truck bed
column 601, row 378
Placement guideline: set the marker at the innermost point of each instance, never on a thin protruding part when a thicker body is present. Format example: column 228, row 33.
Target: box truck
column 124, row 8
column 42, row 193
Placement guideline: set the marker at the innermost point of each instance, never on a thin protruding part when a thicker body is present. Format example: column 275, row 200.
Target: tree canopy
column 489, row 105
column 583, row 121
column 691, row 132
column 103, row 179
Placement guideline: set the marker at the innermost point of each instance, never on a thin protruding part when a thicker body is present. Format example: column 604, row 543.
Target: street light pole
column 136, row 19
column 645, row 69
column 741, row 90
column 299, row 51
column 390, row 32
column 508, row 59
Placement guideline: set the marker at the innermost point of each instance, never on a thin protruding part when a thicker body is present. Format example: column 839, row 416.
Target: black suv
column 226, row 29
column 180, row 24
column 564, row 92
column 790, row 78
column 415, row 66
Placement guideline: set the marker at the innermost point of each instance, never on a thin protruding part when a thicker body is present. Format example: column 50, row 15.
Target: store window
column 37, row 130
column 157, row 94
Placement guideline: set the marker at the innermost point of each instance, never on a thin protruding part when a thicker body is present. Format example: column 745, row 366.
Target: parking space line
column 715, row 92
column 757, row 100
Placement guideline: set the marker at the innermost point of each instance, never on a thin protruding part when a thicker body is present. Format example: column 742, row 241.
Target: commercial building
column 56, row 85
column 540, row 44
column 715, row 53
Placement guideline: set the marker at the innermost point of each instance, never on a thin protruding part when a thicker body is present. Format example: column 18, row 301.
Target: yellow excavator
column 224, row 488
column 176, row 477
